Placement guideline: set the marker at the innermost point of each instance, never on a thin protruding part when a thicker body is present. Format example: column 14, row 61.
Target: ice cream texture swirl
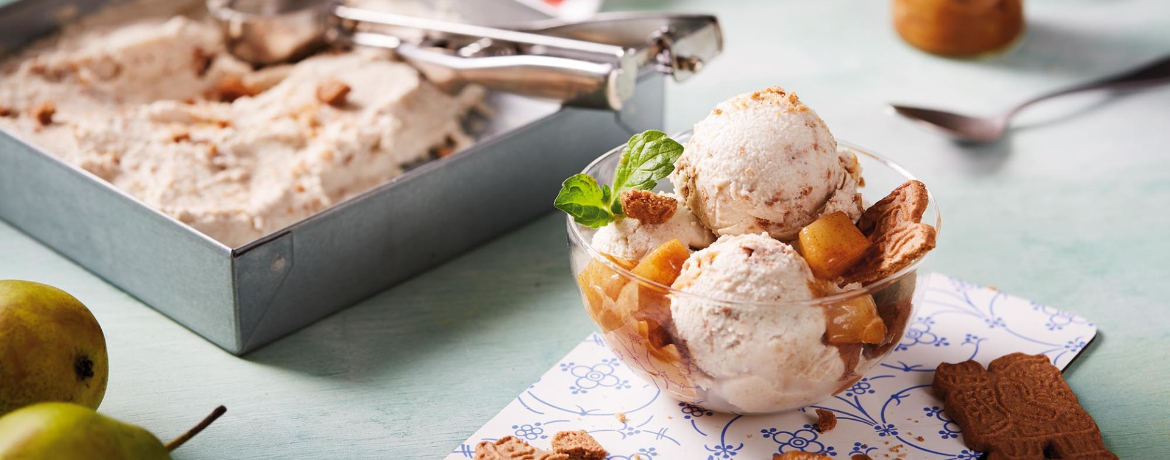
column 145, row 96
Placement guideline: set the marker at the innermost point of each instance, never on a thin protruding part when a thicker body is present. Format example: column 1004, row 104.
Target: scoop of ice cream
column 764, row 162
column 758, row 356
column 631, row 238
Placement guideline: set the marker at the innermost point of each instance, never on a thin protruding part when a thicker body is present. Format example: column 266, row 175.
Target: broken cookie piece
column 566, row 445
column 799, row 456
column 905, row 204
column 898, row 237
column 512, row 448
column 333, row 92
column 892, row 252
column 578, row 445
column 648, row 207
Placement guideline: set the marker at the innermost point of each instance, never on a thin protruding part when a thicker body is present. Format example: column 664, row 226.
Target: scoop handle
column 574, row 72
column 570, row 81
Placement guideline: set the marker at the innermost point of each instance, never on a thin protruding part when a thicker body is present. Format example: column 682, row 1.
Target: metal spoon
column 990, row 129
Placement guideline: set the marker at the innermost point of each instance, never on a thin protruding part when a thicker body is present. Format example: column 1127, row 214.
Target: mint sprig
column 647, row 158
column 583, row 199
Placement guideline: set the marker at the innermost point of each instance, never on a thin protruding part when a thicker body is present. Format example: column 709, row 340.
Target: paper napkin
column 890, row 413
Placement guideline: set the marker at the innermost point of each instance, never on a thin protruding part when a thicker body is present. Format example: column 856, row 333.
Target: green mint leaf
column 588, row 203
column 647, row 158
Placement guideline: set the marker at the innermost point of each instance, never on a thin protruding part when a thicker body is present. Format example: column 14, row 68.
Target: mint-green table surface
column 1071, row 210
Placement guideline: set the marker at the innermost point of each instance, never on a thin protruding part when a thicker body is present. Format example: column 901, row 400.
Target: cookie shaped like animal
column 1019, row 408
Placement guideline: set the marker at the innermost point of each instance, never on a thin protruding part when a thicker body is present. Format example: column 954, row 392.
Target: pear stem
column 175, row 443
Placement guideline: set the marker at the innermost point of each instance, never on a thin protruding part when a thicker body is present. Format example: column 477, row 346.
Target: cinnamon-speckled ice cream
column 754, row 358
column 630, row 238
column 765, row 162
column 147, row 98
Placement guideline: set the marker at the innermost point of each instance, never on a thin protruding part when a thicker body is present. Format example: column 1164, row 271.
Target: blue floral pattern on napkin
column 889, row 411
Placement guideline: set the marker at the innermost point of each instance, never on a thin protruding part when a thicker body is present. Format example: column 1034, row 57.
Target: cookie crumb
column 231, row 88
column 202, row 60
column 44, row 112
column 620, row 416
column 826, row 420
column 333, row 92
column 648, row 207
column 6, row 111
column 447, row 148
column 578, row 445
column 180, row 135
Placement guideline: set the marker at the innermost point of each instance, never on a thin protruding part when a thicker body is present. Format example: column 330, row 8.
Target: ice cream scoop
column 631, row 238
column 765, row 162
column 560, row 61
column 764, row 349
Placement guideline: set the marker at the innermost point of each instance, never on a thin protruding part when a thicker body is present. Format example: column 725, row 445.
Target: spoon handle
column 1154, row 73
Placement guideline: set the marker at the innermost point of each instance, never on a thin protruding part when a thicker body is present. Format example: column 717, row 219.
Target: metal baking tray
column 242, row 298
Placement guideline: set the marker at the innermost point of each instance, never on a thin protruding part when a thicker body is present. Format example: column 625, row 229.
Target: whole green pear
column 63, row 431
column 51, row 348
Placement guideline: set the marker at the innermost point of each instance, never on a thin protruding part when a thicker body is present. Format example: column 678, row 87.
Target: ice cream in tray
column 246, row 196
column 148, row 99
column 760, row 268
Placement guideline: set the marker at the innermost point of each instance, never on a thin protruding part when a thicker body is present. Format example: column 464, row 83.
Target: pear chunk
column 831, row 245
column 664, row 263
column 855, row 321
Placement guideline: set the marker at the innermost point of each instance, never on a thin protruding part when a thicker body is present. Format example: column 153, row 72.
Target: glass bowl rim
column 577, row 238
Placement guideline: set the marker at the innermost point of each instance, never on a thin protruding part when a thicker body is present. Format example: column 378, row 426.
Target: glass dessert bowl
column 739, row 356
